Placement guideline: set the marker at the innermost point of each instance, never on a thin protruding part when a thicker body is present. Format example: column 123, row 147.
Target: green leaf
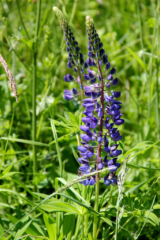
column 58, row 206
column 107, row 220
column 50, row 225
column 75, row 155
column 90, row 236
column 61, row 138
column 139, row 185
column 139, row 60
column 137, row 167
column 22, row 230
column 33, row 228
column 156, row 206
column 25, row 141
column 1, row 227
column 152, row 217
column 76, row 194
column 144, row 146
column 69, row 221
column 57, row 145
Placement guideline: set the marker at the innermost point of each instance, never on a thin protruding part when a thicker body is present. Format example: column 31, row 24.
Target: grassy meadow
column 38, row 134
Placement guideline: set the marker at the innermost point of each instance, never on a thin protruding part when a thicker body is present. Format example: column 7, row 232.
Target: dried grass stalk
column 10, row 76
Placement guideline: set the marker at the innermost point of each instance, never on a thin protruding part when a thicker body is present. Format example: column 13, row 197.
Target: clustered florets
column 102, row 110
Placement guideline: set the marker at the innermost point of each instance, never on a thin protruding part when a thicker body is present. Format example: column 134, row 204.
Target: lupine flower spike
column 75, row 57
column 102, row 109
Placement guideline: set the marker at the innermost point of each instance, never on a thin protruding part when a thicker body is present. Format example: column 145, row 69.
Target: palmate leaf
column 70, row 121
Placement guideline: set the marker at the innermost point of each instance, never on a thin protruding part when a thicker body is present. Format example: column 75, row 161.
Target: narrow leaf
column 50, row 225
column 25, row 141
column 139, row 60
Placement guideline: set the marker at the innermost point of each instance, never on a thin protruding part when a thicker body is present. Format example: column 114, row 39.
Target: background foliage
column 129, row 31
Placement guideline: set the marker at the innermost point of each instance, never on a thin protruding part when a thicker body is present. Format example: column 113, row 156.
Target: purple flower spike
column 102, row 110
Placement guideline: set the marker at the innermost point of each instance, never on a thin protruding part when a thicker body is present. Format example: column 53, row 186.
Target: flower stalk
column 99, row 132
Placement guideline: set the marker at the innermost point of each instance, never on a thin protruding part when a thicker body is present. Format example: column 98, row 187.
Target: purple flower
column 68, row 95
column 82, row 149
column 84, row 168
column 107, row 182
column 92, row 181
column 102, row 111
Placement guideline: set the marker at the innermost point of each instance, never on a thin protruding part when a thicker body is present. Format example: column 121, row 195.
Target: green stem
column 21, row 18
column 100, row 224
column 157, row 66
column 95, row 221
column 78, row 226
column 86, row 225
column 35, row 165
column 143, row 57
column 117, row 213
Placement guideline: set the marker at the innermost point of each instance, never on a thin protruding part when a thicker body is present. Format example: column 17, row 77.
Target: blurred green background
column 129, row 31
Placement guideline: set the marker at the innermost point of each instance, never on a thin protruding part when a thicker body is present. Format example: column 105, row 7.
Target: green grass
column 129, row 31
